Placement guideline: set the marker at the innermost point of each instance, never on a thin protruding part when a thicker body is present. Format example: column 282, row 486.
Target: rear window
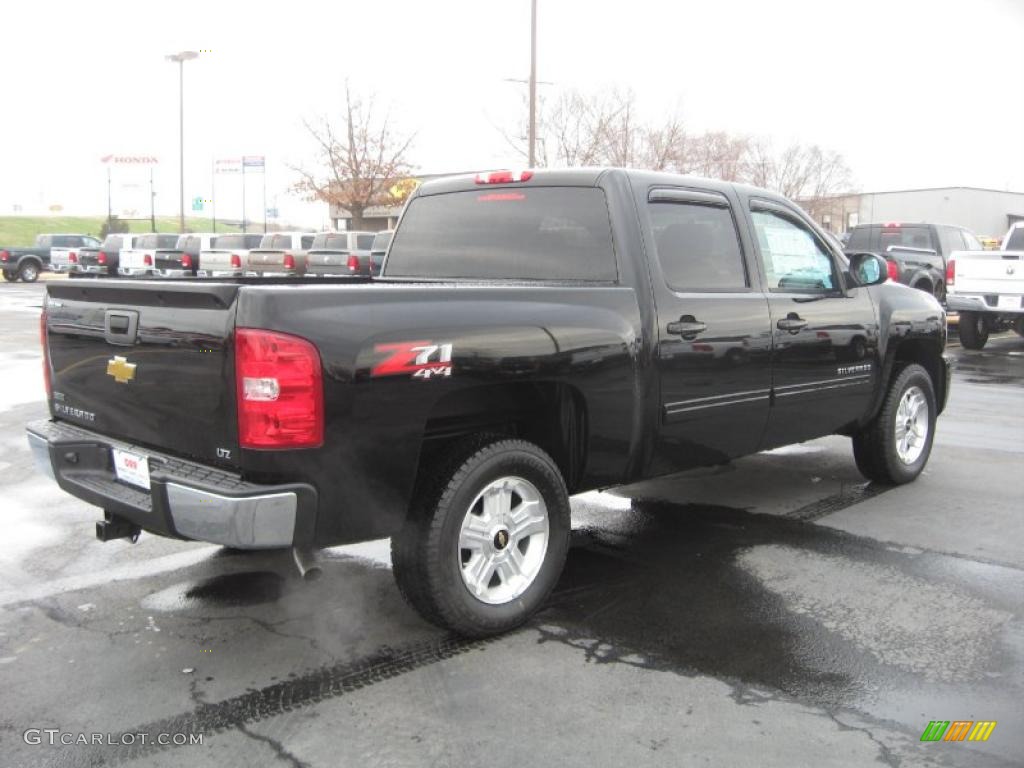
column 276, row 242
column 363, row 242
column 332, row 242
column 545, row 233
column 44, row 241
column 904, row 237
column 1016, row 240
column 192, row 243
column 860, row 239
column 380, row 242
column 156, row 241
column 111, row 243
column 247, row 242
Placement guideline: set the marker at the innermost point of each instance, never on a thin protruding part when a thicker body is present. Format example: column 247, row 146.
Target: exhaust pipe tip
column 306, row 562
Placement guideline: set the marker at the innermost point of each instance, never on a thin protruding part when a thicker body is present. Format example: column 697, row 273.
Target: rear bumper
column 134, row 271
column 174, row 272
column 94, row 269
column 185, row 499
column 980, row 303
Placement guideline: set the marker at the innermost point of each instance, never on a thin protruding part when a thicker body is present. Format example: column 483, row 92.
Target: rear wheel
column 973, row 330
column 10, row 277
column 894, row 448
column 29, row 272
column 486, row 539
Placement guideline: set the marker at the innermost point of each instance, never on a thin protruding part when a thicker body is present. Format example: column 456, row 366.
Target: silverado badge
column 121, row 369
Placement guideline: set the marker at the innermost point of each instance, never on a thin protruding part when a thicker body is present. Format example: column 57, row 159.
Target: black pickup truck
column 533, row 335
column 916, row 254
column 25, row 263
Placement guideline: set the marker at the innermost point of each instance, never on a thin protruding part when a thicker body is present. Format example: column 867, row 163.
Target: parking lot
column 775, row 611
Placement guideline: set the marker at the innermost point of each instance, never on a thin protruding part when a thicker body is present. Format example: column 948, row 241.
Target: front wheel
column 486, row 539
column 973, row 330
column 894, row 448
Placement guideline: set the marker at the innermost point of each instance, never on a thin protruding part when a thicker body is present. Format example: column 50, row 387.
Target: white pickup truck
column 987, row 289
column 141, row 259
column 64, row 257
column 229, row 257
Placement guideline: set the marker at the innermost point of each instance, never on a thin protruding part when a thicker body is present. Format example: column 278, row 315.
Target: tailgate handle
column 121, row 326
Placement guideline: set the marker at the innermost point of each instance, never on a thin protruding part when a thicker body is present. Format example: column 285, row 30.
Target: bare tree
column 357, row 159
column 797, row 170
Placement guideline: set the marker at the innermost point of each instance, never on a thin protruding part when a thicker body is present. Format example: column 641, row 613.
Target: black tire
column 875, row 448
column 10, row 277
column 29, row 272
column 940, row 292
column 426, row 556
column 973, row 330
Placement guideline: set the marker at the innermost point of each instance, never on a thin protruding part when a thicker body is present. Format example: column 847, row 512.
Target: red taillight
column 147, row 260
column 186, row 261
column 353, row 263
column 73, row 257
column 280, row 390
column 892, row 269
column 236, row 261
column 289, row 261
column 5, row 255
column 46, row 355
column 503, row 177
column 101, row 258
column 951, row 272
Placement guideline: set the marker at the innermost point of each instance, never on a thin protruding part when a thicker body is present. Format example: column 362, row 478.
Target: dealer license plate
column 131, row 468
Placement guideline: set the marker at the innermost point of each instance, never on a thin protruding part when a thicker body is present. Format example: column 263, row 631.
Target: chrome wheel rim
column 911, row 425
column 503, row 540
column 29, row 272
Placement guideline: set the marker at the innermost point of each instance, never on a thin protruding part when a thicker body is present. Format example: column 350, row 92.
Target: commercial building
column 986, row 212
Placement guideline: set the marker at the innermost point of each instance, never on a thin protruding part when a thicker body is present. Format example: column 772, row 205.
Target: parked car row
column 276, row 254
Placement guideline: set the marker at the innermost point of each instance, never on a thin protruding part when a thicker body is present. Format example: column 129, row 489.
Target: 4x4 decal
column 420, row 359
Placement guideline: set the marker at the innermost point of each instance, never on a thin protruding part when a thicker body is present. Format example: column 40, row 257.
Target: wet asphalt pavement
column 778, row 611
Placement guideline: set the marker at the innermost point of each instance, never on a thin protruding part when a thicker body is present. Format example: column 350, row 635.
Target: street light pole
column 181, row 57
column 533, row 83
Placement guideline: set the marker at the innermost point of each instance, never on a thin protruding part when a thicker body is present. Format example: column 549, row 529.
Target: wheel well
column 924, row 284
column 551, row 415
column 30, row 259
column 924, row 354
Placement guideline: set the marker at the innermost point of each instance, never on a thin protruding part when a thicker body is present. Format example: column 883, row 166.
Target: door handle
column 792, row 323
column 687, row 326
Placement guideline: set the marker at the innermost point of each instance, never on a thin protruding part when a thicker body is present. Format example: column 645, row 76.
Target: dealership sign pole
column 260, row 162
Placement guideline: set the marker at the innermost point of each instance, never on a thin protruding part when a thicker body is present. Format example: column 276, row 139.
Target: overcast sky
column 913, row 94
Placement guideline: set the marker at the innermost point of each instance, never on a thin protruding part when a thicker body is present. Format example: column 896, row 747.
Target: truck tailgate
column 148, row 363
column 989, row 272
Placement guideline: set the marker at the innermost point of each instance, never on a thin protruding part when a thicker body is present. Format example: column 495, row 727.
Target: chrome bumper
column 185, row 499
column 960, row 303
column 134, row 271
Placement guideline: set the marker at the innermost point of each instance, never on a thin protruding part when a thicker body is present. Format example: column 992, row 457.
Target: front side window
column 697, row 246
column 794, row 261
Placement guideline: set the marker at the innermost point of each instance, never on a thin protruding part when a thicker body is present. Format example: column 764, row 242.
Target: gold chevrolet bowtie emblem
column 120, row 369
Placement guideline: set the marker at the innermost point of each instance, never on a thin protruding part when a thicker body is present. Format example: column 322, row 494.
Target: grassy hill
column 22, row 230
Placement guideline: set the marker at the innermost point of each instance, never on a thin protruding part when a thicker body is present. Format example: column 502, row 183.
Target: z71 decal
column 420, row 359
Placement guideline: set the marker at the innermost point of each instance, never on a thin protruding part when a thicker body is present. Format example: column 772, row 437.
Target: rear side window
column 44, row 241
column 697, row 246
column 1016, row 240
column 541, row 233
column 905, row 236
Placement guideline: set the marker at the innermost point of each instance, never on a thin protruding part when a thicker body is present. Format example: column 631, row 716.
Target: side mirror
column 868, row 269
